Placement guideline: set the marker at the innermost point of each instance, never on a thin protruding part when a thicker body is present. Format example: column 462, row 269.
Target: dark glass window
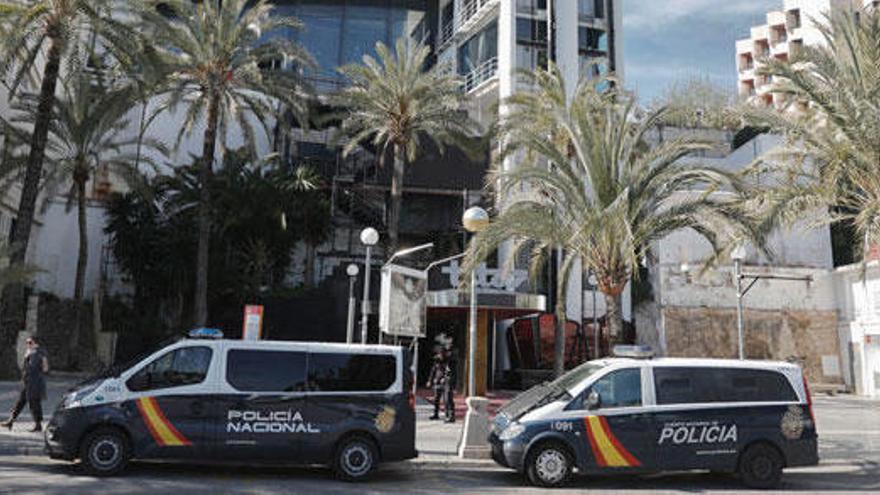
column 702, row 385
column 744, row 385
column 183, row 366
column 480, row 48
column 591, row 9
column 621, row 388
column 531, row 31
column 266, row 371
column 364, row 25
column 333, row 372
column 592, row 40
column 682, row 386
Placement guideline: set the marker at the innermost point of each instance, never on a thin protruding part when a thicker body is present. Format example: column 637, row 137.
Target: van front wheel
column 760, row 466
column 548, row 465
column 104, row 452
column 356, row 459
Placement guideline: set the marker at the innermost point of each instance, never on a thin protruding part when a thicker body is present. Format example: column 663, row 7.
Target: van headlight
column 74, row 398
column 512, row 431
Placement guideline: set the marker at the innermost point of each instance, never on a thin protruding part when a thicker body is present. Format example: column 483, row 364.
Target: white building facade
column 785, row 33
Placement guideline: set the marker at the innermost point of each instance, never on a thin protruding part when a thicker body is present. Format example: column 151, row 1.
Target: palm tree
column 312, row 212
column 587, row 185
column 219, row 68
column 87, row 135
column 41, row 36
column 831, row 154
column 395, row 104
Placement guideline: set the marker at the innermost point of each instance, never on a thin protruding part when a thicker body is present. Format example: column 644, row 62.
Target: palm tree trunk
column 13, row 304
column 200, row 309
column 81, row 263
column 559, row 337
column 396, row 199
column 614, row 315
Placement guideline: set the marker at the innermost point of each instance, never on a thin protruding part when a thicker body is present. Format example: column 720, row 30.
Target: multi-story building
column 786, row 31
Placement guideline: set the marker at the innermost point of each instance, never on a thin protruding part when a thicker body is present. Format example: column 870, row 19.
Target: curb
column 451, row 462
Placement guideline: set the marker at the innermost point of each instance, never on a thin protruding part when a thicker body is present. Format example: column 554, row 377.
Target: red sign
column 253, row 323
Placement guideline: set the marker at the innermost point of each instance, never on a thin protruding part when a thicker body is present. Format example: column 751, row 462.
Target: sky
column 669, row 40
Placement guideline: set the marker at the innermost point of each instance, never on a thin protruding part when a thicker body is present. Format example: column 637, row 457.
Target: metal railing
column 480, row 74
column 446, row 33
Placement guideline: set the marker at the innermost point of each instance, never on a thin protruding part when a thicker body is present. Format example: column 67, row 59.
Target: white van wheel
column 104, row 452
column 548, row 465
column 356, row 458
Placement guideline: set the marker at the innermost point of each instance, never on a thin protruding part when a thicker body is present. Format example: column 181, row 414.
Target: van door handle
column 197, row 408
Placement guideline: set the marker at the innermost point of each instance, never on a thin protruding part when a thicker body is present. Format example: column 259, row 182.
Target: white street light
column 474, row 220
column 352, row 270
column 369, row 237
column 476, row 421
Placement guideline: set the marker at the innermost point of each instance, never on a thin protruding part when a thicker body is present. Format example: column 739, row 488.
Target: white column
column 506, row 56
column 566, row 43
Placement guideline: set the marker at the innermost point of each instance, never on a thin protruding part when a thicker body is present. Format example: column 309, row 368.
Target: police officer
column 33, row 391
column 437, row 381
column 449, row 384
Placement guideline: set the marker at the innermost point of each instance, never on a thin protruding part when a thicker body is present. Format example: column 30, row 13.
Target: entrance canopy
column 504, row 305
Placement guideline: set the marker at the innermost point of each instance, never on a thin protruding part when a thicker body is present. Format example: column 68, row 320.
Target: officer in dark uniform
column 437, row 381
column 33, row 391
column 450, row 382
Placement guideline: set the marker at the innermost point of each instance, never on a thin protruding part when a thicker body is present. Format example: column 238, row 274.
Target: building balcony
column 480, row 75
column 779, row 49
column 471, row 15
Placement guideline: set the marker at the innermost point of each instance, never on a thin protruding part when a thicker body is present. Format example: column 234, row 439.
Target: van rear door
column 349, row 391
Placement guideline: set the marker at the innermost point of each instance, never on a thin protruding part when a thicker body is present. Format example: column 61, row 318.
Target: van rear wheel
column 104, row 452
column 356, row 458
column 548, row 465
column 760, row 466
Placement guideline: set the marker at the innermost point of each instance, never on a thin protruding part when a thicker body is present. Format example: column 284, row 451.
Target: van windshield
column 114, row 370
column 548, row 392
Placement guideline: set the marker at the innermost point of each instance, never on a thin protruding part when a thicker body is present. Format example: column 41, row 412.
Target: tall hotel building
column 786, row 31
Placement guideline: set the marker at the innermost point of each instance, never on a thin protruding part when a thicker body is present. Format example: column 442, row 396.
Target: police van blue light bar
column 205, row 333
column 633, row 351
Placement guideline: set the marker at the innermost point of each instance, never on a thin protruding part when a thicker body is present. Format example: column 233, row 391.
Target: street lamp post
column 352, row 271
column 738, row 255
column 473, row 442
column 474, row 220
column 369, row 238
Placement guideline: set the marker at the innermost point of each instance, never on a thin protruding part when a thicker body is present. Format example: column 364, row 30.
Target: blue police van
column 346, row 406
column 639, row 414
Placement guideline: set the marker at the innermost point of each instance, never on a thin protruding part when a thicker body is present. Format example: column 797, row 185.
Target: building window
column 480, row 49
column 531, row 31
column 591, row 9
column 592, row 41
column 530, row 7
column 795, row 18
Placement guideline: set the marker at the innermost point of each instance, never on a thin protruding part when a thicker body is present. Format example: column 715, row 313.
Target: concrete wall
column 808, row 337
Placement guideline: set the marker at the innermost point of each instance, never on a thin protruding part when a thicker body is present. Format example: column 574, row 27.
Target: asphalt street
column 849, row 431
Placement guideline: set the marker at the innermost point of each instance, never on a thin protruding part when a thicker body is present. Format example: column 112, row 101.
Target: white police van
column 348, row 406
column 639, row 414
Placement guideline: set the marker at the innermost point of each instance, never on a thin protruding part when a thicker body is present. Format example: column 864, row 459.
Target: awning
column 510, row 304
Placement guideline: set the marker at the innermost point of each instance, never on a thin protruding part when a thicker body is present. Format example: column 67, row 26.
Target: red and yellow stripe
column 160, row 428
column 607, row 450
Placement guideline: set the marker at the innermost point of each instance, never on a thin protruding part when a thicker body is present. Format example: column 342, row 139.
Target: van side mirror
column 594, row 400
